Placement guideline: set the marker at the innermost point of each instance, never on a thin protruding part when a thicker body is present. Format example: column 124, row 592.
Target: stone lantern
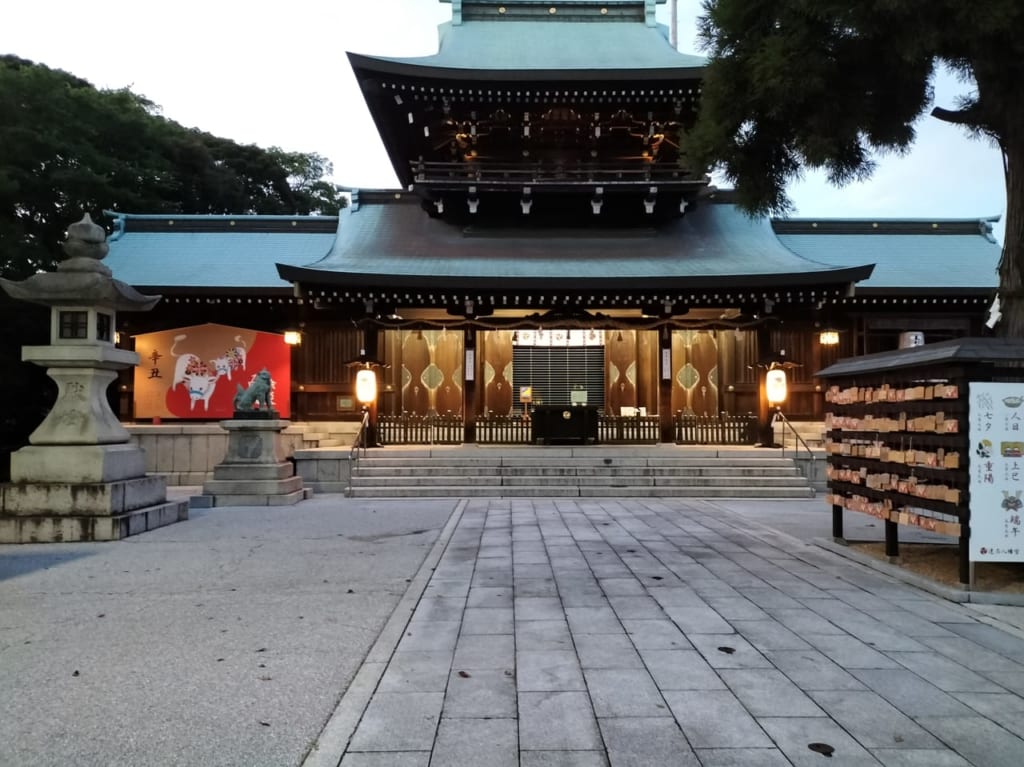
column 80, row 477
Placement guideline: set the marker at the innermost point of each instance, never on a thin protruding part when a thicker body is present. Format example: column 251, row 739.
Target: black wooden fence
column 448, row 429
column 626, row 429
column 721, row 429
column 407, row 429
column 503, row 430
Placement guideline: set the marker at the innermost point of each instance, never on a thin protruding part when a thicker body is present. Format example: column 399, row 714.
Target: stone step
column 229, row 487
column 425, row 462
column 548, row 481
column 574, row 491
column 576, row 471
column 640, row 471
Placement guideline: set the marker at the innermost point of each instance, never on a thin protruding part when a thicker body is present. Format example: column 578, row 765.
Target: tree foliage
column 67, row 148
column 796, row 84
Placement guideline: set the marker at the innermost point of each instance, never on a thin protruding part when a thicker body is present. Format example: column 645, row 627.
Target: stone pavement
column 542, row 632
column 223, row 641
column 656, row 632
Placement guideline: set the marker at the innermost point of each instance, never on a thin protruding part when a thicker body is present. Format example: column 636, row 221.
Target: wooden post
column 837, row 522
column 665, row 385
column 892, row 539
column 469, row 376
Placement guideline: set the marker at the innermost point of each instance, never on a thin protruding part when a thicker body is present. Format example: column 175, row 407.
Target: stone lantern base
column 254, row 471
column 71, row 493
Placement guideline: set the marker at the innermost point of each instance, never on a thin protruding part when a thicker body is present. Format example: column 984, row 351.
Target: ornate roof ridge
column 887, row 225
column 554, row 10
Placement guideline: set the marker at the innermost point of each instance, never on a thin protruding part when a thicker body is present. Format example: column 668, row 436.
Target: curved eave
column 371, row 65
column 385, row 243
column 310, row 276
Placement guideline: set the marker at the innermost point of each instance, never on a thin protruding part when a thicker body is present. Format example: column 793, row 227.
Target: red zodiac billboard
column 195, row 372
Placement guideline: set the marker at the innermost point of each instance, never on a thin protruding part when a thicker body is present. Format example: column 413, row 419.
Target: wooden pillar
column 370, row 340
column 469, row 374
column 764, row 415
column 665, row 368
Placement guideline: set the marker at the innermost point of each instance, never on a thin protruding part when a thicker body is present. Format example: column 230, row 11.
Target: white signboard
column 997, row 472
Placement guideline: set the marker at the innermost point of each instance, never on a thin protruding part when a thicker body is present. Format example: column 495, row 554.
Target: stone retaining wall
column 185, row 453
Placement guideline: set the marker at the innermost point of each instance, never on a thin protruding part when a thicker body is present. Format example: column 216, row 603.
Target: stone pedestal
column 254, row 471
column 82, row 492
column 70, row 493
column 80, row 478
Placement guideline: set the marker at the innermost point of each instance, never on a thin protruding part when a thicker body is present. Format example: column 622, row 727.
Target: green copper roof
column 527, row 37
column 234, row 252
column 395, row 243
column 909, row 255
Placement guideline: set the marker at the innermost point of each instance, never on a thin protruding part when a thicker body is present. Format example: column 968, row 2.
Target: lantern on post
column 775, row 386
column 775, row 392
column 366, row 390
column 366, row 393
column 366, row 386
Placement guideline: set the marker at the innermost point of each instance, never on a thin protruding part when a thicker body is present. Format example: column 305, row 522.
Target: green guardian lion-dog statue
column 257, row 396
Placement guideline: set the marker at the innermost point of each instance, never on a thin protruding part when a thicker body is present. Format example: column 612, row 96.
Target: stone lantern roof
column 80, row 279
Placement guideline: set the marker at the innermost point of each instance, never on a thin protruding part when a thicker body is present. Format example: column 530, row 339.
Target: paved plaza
column 496, row 632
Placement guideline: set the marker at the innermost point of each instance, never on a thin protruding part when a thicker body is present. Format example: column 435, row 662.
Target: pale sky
column 274, row 73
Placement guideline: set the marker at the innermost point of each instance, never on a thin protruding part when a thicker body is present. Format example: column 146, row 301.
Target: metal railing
column 359, row 444
column 779, row 416
column 721, row 429
column 515, row 175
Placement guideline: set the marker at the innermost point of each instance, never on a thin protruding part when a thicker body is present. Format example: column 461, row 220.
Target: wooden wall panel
column 495, row 350
column 431, row 372
column 695, row 372
column 620, row 366
column 648, row 370
column 321, row 357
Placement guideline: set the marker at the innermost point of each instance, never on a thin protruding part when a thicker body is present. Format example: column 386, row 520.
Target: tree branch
column 970, row 116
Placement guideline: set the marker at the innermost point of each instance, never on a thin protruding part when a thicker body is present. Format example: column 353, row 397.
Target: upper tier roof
column 530, row 48
column 580, row 40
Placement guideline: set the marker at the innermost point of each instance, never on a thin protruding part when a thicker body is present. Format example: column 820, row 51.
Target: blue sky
column 275, row 74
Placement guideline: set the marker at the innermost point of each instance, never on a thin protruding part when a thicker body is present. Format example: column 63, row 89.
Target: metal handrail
column 785, row 423
column 360, row 441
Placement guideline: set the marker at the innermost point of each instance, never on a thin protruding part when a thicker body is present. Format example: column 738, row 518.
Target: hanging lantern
column 828, row 337
column 775, row 386
column 366, row 386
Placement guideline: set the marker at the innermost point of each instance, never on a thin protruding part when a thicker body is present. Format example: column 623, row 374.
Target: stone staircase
column 595, row 471
column 811, row 432
column 328, row 433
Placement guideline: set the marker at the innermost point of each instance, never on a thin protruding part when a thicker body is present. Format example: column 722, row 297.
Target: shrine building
column 551, row 244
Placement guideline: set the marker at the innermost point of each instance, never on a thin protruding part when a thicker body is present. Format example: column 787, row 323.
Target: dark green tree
column 796, row 84
column 68, row 148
